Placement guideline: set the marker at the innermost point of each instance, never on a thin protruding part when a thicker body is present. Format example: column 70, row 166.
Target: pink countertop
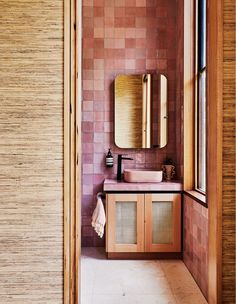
column 114, row 185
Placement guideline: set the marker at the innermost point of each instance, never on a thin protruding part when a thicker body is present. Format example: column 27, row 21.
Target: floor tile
column 132, row 299
column 135, row 281
column 185, row 298
column 152, row 299
column 146, row 285
column 179, row 278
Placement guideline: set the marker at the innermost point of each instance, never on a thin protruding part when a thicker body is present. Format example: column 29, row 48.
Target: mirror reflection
column 140, row 111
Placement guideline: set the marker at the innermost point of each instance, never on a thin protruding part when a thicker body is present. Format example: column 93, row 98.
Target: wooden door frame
column 72, row 149
column 214, row 148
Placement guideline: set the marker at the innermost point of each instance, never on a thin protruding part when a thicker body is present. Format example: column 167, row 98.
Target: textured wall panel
column 31, row 151
column 229, row 131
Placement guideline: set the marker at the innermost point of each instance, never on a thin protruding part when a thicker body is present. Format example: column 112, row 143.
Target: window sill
column 197, row 196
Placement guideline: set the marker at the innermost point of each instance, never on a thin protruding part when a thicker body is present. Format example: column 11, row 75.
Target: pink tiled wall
column 196, row 242
column 122, row 37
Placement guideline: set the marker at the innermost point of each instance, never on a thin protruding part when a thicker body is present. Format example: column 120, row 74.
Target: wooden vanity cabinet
column 143, row 222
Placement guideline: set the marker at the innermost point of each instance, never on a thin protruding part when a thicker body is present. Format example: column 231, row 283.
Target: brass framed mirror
column 140, row 111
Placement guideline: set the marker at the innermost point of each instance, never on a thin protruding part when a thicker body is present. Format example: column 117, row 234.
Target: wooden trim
column 197, row 197
column 144, row 255
column 189, row 80
column 163, row 117
column 214, row 146
column 176, row 245
column 196, row 93
column 67, row 193
column 72, row 149
column 70, row 170
column 78, row 186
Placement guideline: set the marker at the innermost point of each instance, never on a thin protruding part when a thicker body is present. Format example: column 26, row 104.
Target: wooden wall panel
column 229, row 168
column 31, row 151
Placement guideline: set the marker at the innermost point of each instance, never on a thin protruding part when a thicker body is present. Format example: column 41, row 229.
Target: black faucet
column 119, row 166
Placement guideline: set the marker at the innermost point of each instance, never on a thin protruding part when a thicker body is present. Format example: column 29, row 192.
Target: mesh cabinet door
column 125, row 225
column 163, row 222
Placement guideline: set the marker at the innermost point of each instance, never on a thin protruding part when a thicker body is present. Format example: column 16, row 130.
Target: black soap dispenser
column 109, row 159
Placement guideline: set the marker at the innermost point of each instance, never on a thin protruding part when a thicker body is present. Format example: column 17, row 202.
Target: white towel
column 99, row 218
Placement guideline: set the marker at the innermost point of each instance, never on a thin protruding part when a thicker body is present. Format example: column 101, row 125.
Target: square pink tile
column 98, row 74
column 99, row 53
column 99, row 32
column 130, row 3
column 87, row 116
column 140, row 22
column 99, row 64
column 109, row 21
column 141, row 3
column 87, row 3
column 119, row 22
column 109, row 12
column 130, row 32
column 99, row 85
column 88, row 53
column 130, row 64
column 119, row 3
column 87, row 169
column 98, row 22
column 98, row 126
column 87, row 12
column 119, row 12
column 99, row 3
column 98, row 11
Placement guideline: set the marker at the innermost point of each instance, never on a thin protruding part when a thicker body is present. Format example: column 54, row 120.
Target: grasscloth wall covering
column 122, row 37
column 229, row 131
column 31, row 151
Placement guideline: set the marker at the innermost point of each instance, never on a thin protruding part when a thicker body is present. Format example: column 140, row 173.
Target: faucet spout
column 119, row 165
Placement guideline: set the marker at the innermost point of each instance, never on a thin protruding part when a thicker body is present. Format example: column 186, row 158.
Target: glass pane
column 202, row 132
column 126, row 222
column 162, row 222
column 201, row 34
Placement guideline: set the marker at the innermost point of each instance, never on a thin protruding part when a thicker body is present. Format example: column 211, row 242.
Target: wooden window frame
column 214, row 132
column 199, row 70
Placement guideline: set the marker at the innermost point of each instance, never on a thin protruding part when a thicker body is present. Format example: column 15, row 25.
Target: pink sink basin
column 142, row 176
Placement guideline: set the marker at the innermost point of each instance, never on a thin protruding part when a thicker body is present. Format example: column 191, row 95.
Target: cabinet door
column 163, row 222
column 125, row 223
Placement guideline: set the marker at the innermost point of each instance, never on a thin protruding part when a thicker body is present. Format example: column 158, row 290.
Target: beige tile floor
column 135, row 281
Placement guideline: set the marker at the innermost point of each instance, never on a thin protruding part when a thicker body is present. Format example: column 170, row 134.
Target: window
column 200, row 118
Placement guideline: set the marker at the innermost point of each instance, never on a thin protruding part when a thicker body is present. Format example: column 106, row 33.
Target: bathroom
column 134, row 38
column 69, row 161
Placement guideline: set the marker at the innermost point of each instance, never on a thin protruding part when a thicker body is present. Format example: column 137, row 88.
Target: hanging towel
column 99, row 217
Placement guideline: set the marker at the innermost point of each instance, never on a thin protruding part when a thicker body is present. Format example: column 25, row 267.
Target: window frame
column 200, row 69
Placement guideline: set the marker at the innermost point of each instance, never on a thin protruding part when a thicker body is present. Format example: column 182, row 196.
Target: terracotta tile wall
column 122, row 37
column 196, row 242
